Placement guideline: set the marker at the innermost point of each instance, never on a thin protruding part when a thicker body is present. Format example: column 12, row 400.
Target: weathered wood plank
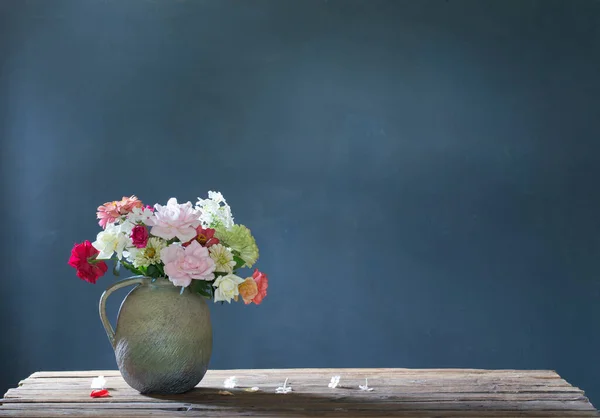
column 398, row 392
column 55, row 413
column 466, row 398
column 384, row 372
column 404, row 389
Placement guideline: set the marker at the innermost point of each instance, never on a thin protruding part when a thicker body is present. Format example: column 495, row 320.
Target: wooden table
column 396, row 392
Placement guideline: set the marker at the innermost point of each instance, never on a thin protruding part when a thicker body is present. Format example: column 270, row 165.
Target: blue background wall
column 421, row 176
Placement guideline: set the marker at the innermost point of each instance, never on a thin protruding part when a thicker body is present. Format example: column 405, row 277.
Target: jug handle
column 110, row 332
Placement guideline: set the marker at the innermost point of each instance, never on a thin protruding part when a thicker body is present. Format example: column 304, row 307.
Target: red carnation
column 83, row 258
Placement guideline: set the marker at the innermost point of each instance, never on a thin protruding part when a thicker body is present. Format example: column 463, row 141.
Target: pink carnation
column 175, row 221
column 262, row 283
column 183, row 265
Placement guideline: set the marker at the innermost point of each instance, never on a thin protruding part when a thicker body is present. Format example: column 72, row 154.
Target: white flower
column 138, row 215
column 222, row 257
column 365, row 387
column 215, row 211
column 227, row 287
column 143, row 257
column 230, row 382
column 335, row 381
column 284, row 389
column 174, row 220
column 111, row 240
column 126, row 227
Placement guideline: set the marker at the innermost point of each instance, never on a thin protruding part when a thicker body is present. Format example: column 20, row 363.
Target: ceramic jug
column 163, row 337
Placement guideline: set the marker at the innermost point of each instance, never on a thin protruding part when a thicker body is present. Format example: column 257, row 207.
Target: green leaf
column 153, row 271
column 132, row 269
column 202, row 287
column 204, row 293
column 116, row 268
column 239, row 263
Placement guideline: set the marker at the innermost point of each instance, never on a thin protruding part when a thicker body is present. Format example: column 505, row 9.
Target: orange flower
column 127, row 204
column 248, row 290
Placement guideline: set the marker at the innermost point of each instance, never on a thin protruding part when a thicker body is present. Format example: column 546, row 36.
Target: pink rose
column 139, row 236
column 175, row 221
column 183, row 265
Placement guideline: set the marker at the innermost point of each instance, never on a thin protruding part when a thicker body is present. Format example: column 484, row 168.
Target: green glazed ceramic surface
column 163, row 338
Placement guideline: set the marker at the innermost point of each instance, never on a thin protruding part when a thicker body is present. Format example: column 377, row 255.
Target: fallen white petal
column 252, row 389
column 98, row 382
column 230, row 382
column 335, row 380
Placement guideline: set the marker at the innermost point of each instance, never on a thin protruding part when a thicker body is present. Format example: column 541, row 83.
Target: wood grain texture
column 397, row 392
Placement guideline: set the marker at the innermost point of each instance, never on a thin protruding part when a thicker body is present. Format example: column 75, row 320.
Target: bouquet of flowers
column 197, row 246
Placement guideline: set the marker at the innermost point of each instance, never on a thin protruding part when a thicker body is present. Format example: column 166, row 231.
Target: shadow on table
column 210, row 401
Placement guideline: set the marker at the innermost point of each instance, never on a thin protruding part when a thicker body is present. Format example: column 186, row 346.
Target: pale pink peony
column 183, row 265
column 175, row 220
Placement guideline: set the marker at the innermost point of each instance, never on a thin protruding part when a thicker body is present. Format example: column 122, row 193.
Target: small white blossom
column 230, row 382
column 215, row 211
column 365, row 387
column 284, row 389
column 138, row 215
